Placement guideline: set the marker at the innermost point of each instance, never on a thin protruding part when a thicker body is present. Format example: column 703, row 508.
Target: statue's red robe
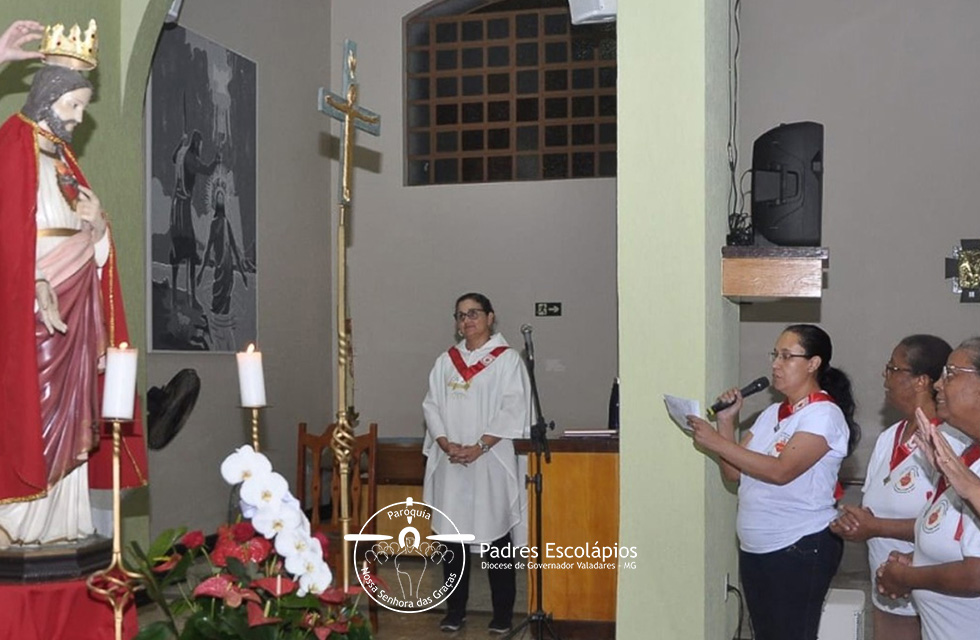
column 23, row 475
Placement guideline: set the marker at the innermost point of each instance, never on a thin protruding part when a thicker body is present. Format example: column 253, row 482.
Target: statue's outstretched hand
column 47, row 303
column 16, row 36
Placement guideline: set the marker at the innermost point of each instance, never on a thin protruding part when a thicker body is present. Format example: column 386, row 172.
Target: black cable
column 740, row 230
column 741, row 614
column 741, row 611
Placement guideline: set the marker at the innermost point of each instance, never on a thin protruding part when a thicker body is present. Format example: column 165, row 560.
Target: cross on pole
column 345, row 109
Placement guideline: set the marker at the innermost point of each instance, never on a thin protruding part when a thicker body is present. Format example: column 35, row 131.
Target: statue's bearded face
column 67, row 112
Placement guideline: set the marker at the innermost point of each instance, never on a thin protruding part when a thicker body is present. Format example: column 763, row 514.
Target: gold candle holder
column 115, row 583
column 255, row 428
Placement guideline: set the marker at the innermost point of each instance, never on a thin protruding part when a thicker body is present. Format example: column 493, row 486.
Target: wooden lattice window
column 507, row 93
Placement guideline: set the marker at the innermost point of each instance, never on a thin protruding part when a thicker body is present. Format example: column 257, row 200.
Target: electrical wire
column 741, row 614
column 739, row 222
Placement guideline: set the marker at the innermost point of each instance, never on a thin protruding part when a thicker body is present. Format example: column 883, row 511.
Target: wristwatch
column 484, row 447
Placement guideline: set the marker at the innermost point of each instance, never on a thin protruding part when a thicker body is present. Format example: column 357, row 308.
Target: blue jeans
column 785, row 589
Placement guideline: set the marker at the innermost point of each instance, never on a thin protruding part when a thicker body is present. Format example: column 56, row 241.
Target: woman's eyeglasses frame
column 951, row 371
column 785, row 356
column 472, row 314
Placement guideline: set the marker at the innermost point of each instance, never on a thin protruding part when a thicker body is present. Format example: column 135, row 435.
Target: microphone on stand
column 755, row 386
column 528, row 342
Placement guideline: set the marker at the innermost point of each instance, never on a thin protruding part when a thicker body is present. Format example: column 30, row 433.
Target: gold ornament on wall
column 964, row 269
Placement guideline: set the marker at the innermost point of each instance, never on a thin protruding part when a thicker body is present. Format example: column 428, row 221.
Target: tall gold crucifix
column 345, row 109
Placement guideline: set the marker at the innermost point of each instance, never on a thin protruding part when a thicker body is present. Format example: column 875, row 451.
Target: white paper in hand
column 680, row 408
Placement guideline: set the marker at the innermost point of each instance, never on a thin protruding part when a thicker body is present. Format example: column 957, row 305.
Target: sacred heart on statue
column 67, row 183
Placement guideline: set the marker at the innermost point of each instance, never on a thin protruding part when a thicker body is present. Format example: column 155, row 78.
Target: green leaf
column 138, row 551
column 158, row 630
column 293, row 601
column 164, row 543
column 200, row 626
column 233, row 620
column 237, row 569
column 264, row 632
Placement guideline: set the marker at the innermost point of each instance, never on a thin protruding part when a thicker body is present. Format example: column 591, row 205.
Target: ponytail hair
column 816, row 342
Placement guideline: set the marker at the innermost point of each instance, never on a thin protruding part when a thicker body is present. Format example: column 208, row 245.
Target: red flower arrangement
column 237, row 590
column 248, row 587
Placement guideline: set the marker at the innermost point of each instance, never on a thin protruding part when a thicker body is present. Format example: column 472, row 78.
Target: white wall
column 415, row 249
column 894, row 83
column 289, row 43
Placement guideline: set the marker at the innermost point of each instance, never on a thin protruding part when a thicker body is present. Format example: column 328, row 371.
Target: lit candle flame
column 251, row 347
column 123, row 345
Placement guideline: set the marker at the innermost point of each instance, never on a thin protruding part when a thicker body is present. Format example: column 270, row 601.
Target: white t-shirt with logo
column 900, row 493
column 772, row 517
column 946, row 617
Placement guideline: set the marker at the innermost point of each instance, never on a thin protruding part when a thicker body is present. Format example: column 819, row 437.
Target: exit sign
column 547, row 308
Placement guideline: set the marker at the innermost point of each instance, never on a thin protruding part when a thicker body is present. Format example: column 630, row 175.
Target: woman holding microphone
column 786, row 467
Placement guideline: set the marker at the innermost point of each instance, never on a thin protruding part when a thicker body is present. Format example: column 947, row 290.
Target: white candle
column 119, row 392
column 251, row 381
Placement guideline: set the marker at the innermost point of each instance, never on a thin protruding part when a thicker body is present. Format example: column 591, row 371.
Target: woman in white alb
column 478, row 402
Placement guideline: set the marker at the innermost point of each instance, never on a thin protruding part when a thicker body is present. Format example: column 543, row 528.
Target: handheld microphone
column 755, row 386
column 528, row 343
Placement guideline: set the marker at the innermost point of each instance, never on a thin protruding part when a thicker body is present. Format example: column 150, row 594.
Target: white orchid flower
column 306, row 562
column 243, row 464
column 272, row 520
column 248, row 510
column 316, row 582
column 292, row 542
column 264, row 490
column 291, row 501
column 276, row 513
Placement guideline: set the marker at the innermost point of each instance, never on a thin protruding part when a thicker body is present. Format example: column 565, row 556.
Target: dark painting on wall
column 201, row 196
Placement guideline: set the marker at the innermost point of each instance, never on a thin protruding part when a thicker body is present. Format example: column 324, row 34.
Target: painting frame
column 201, row 166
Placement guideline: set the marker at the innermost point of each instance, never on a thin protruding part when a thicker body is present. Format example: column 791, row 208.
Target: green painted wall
column 109, row 145
column 677, row 334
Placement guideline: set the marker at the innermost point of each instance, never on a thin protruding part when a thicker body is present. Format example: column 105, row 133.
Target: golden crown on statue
column 73, row 49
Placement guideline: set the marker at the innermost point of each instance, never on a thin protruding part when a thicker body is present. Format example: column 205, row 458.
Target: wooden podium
column 579, row 510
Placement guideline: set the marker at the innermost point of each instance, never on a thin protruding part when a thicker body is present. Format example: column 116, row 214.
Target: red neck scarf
column 468, row 372
column 786, row 410
column 970, row 455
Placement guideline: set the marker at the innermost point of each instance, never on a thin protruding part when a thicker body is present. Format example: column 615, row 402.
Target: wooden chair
column 362, row 487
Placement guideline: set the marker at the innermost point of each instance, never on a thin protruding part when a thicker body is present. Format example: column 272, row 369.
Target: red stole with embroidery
column 468, row 372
